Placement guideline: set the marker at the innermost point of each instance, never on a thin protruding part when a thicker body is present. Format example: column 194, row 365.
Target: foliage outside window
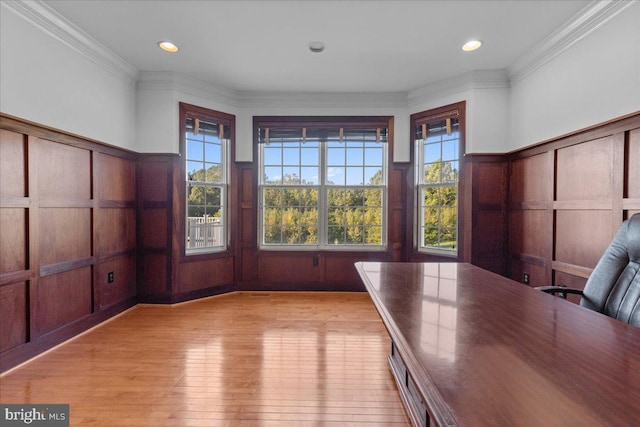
column 322, row 187
column 207, row 146
column 437, row 144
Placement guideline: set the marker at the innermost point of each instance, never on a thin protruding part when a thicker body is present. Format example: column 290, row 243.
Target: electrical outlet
column 110, row 277
column 525, row 278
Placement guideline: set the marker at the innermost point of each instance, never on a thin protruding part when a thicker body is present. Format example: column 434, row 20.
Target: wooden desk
column 473, row 348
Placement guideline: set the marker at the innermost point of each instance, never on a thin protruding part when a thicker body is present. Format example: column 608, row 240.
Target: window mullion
column 323, row 214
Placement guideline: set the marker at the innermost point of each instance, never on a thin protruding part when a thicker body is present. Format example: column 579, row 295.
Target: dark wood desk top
column 486, row 350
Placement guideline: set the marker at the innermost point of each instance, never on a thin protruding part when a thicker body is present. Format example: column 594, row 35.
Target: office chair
column 613, row 288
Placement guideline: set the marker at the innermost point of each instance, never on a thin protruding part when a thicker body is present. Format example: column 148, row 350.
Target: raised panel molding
column 568, row 197
column 59, row 242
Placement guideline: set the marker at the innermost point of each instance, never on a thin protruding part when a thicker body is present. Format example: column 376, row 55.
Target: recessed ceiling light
column 316, row 47
column 168, row 46
column 471, row 45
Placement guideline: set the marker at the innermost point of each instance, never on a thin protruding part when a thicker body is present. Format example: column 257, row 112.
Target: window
column 437, row 152
column 207, row 137
column 322, row 185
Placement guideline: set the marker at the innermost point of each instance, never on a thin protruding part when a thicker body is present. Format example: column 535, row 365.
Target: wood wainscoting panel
column 13, row 173
column 582, row 236
column 65, row 234
column 14, row 319
column 632, row 183
column 584, row 171
column 580, row 187
column 537, row 272
column 115, row 230
column 154, row 271
column 152, row 182
column 13, row 243
column 489, row 244
column 203, row 274
column 123, row 286
column 67, row 215
column 64, row 172
column 288, row 267
column 527, row 232
column 153, row 228
column 529, row 179
column 63, row 298
column 117, row 177
column 488, row 205
column 340, row 272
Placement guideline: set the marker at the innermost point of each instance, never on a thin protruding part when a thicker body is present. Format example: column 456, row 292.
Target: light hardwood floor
column 240, row 359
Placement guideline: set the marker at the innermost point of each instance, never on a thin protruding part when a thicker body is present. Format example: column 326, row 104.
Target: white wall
column 159, row 95
column 595, row 80
column 45, row 81
column 318, row 104
column 487, row 107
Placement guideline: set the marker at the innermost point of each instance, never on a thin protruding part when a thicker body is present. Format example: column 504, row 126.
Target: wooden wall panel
column 633, row 166
column 153, row 228
column 341, row 272
column 116, row 230
column 117, row 177
column 288, row 268
column 14, row 326
column 528, row 180
column 582, row 236
column 123, row 286
column 12, row 164
column 197, row 275
column 59, row 238
column 13, row 243
column 537, row 272
column 73, row 181
column 152, row 181
column 247, row 271
column 154, row 272
column 584, row 185
column 63, row 298
column 490, row 247
column 489, row 212
column 491, row 180
column 526, row 232
column 155, row 269
column 584, row 171
column 65, row 234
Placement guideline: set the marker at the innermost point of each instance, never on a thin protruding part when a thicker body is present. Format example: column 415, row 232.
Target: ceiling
column 371, row 46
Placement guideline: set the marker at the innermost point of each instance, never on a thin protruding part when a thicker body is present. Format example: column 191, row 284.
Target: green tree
column 204, row 199
column 291, row 213
column 440, row 205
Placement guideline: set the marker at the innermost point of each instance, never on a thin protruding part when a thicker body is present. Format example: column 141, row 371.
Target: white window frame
column 222, row 242
column 323, row 214
column 422, row 187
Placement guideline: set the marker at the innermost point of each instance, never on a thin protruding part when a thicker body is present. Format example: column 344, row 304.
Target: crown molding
column 589, row 19
column 323, row 99
column 42, row 16
column 168, row 80
column 472, row 80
